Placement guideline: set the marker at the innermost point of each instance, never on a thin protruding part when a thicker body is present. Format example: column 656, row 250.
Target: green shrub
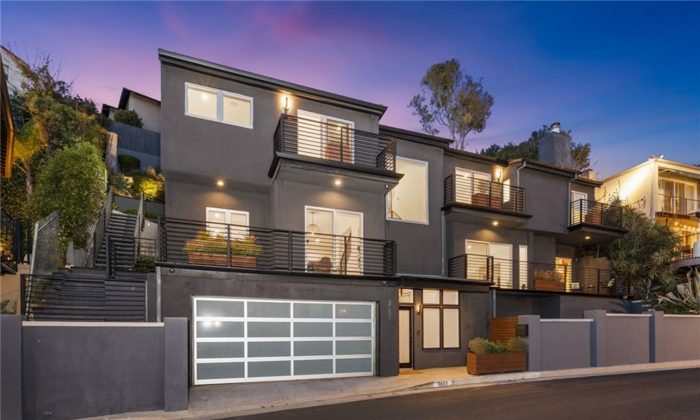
column 129, row 117
column 145, row 264
column 516, row 345
column 132, row 212
column 129, row 164
column 480, row 345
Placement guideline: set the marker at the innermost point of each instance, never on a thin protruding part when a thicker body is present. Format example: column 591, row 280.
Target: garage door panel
column 248, row 340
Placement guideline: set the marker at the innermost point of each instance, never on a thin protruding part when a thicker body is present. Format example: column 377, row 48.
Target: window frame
column 220, row 94
column 387, row 214
column 441, row 308
column 228, row 213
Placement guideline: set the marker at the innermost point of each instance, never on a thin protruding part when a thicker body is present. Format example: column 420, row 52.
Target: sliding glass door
column 333, row 241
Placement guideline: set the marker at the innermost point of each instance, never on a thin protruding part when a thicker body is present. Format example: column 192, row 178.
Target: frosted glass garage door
column 252, row 340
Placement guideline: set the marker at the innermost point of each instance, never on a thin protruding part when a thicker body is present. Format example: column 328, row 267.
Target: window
column 580, row 208
column 440, row 319
column 219, row 219
column 325, row 137
column 218, row 105
column 408, row 201
column 405, row 295
column 333, row 241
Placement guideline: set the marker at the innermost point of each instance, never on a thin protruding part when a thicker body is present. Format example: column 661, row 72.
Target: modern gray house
column 303, row 239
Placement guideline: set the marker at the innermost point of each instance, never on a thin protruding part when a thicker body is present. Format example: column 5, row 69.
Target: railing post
column 597, row 281
column 228, row 245
column 342, row 155
column 466, row 270
column 290, row 257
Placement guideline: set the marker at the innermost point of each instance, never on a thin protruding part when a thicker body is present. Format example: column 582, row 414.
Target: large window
column 222, row 221
column 333, row 241
column 408, row 201
column 218, row 105
column 440, row 319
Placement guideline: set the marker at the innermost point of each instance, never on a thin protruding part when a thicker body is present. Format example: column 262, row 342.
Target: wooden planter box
column 550, row 285
column 480, row 364
column 203, row 258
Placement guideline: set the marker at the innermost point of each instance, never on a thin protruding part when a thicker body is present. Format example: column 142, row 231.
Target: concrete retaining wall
column 602, row 339
column 63, row 370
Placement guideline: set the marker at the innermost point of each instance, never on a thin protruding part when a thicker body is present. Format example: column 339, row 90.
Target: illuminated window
column 408, row 201
column 222, row 221
column 218, row 105
column 440, row 319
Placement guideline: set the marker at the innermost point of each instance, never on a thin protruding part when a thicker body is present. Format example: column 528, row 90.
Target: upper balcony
column 226, row 246
column 595, row 221
column 678, row 206
column 483, row 199
column 334, row 143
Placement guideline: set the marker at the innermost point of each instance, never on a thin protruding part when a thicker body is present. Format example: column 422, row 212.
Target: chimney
column 555, row 147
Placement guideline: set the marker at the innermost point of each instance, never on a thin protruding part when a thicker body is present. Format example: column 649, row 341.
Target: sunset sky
column 624, row 77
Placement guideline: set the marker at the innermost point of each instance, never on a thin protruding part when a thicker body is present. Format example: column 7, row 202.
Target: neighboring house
column 665, row 191
column 142, row 143
column 306, row 240
column 12, row 66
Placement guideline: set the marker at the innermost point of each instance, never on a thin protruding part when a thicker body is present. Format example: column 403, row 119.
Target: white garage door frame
column 338, row 307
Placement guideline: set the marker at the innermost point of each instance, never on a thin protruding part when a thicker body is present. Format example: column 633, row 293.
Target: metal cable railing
column 334, row 142
column 675, row 204
column 234, row 246
column 595, row 213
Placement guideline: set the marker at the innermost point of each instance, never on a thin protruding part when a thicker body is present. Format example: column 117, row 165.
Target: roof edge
column 269, row 82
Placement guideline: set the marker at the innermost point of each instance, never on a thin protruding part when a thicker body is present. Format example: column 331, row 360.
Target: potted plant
column 207, row 249
column 486, row 356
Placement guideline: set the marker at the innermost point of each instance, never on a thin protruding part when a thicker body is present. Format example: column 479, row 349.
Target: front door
column 405, row 337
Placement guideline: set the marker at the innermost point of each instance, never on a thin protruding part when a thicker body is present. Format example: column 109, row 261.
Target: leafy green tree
column 72, row 183
column 529, row 149
column 643, row 257
column 452, row 100
column 129, row 117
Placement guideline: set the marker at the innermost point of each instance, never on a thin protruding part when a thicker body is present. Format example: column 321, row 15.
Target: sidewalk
column 216, row 401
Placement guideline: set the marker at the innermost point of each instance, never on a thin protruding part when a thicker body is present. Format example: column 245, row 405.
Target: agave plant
column 686, row 297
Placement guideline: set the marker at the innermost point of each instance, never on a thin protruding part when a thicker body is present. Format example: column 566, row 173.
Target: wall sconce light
column 338, row 182
column 285, row 104
column 418, row 308
column 499, row 174
column 588, row 237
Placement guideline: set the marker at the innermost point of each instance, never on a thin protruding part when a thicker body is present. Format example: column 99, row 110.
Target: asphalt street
column 657, row 395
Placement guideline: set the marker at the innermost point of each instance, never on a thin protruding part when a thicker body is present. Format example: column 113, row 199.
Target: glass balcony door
column 325, row 137
column 472, row 186
column 500, row 256
column 334, row 241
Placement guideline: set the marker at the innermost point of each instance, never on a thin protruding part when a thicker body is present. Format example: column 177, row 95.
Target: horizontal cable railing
column 595, row 213
column 479, row 192
column 83, row 297
column 507, row 274
column 335, row 142
column 678, row 205
column 234, row 246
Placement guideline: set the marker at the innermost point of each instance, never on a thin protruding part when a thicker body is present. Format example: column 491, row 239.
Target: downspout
column 517, row 173
column 443, row 233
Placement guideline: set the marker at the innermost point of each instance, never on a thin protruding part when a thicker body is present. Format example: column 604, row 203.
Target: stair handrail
column 98, row 229
column 138, row 227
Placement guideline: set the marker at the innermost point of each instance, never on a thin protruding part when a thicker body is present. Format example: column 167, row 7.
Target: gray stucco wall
column 414, row 256
column 566, row 344
column 179, row 286
column 11, row 367
column 547, row 200
column 552, row 305
column 627, row 339
column 680, row 337
column 72, row 370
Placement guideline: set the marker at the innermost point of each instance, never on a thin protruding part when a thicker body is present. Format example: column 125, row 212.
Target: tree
column 529, row 149
column 72, row 183
column 453, row 100
column 643, row 257
column 128, row 117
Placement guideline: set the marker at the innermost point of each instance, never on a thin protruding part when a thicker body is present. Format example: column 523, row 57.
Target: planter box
column 203, row 258
column 550, row 285
column 480, row 364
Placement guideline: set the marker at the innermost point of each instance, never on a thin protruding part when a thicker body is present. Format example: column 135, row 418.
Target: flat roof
column 269, row 82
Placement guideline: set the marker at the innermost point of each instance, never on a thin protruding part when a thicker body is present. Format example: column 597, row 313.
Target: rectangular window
column 408, row 201
column 440, row 319
column 325, row 137
column 219, row 219
column 334, row 241
column 218, row 105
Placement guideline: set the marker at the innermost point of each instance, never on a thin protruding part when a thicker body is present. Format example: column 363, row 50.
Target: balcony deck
column 225, row 246
column 529, row 276
column 333, row 144
column 483, row 200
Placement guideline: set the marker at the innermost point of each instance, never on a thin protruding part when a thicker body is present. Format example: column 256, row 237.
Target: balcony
column 334, row 142
column 509, row 275
column 595, row 214
column 226, row 246
column 680, row 206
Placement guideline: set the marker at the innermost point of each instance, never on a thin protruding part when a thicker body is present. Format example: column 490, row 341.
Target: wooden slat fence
column 502, row 328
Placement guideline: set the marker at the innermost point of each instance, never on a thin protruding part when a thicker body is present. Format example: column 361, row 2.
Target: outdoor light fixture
column 285, row 104
column 219, row 182
column 499, row 174
column 418, row 308
column 588, row 237
column 495, row 223
column 338, row 182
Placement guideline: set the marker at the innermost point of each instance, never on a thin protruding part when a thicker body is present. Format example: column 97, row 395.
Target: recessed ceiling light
column 588, row 237
column 220, row 182
column 495, row 223
column 338, row 182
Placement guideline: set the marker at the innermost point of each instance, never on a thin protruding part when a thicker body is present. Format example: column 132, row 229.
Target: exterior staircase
column 86, row 294
column 120, row 235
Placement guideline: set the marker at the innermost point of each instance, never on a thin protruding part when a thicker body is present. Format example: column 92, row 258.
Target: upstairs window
column 408, row 201
column 218, row 105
